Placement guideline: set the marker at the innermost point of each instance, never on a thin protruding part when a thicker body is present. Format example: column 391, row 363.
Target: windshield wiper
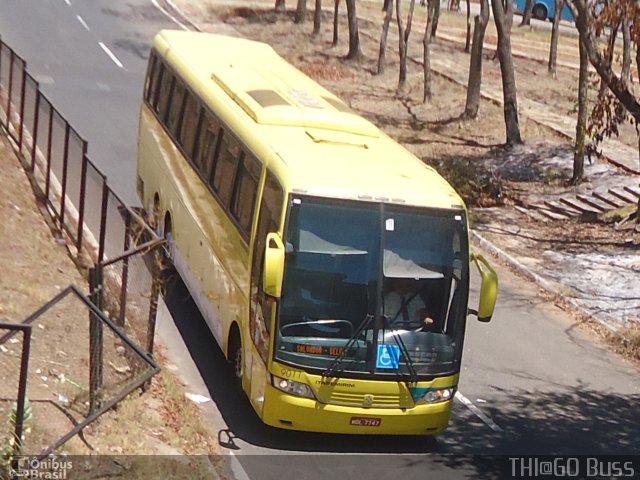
column 333, row 368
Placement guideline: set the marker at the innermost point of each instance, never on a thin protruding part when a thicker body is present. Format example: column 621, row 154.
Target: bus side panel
column 519, row 6
column 259, row 380
column 203, row 234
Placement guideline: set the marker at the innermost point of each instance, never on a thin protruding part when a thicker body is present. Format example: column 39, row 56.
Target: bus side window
column 174, row 114
column 246, row 189
column 164, row 95
column 154, row 93
column 207, row 145
column 189, row 125
column 151, row 81
column 225, row 167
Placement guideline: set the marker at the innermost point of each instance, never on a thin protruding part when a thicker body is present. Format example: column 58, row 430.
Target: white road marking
column 168, row 15
column 83, row 23
column 111, row 55
column 478, row 413
column 236, row 468
column 68, row 2
column 185, row 16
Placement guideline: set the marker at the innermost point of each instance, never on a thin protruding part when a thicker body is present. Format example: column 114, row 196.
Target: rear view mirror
column 273, row 266
column 488, row 288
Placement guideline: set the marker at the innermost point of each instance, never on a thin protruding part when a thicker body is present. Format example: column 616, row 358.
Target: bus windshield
column 373, row 289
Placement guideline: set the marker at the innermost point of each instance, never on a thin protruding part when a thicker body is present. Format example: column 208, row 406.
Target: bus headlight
column 437, row 395
column 292, row 387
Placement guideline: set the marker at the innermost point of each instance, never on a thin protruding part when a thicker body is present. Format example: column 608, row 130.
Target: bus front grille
column 367, row 400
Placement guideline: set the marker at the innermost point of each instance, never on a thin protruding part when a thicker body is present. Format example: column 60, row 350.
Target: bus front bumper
column 296, row 413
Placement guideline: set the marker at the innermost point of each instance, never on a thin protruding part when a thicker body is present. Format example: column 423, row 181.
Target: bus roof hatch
column 272, row 100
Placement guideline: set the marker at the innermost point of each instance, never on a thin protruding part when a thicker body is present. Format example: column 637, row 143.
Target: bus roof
column 309, row 137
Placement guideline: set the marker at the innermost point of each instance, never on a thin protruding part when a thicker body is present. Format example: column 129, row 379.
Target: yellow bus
column 293, row 222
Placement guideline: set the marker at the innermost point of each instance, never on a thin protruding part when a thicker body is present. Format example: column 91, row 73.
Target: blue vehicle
column 543, row 9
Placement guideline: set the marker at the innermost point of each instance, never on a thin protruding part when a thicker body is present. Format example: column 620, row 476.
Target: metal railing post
column 65, row 167
column 9, row 90
column 49, row 141
column 83, row 192
column 125, row 269
column 103, row 219
column 95, row 339
column 22, row 388
column 23, row 87
column 36, row 121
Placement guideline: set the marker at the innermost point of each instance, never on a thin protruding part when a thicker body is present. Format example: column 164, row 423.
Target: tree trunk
column 336, row 12
column 280, row 6
column 609, row 53
column 638, row 59
column 402, row 46
column 426, row 51
column 503, row 22
column 625, row 75
column 388, row 4
column 526, row 15
column 317, row 18
column 467, row 43
column 581, row 125
column 436, row 17
column 623, row 93
column 407, row 33
column 301, row 11
column 475, row 63
column 354, row 52
column 553, row 49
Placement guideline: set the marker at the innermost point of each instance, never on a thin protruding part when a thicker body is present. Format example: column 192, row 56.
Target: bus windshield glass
column 373, row 289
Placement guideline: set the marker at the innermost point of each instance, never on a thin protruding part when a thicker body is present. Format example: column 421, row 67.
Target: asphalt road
column 532, row 382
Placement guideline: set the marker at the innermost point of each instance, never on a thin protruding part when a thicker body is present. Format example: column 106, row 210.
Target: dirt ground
column 35, row 267
column 470, row 153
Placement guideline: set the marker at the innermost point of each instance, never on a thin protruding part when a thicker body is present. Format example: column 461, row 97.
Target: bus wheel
column 235, row 353
column 539, row 12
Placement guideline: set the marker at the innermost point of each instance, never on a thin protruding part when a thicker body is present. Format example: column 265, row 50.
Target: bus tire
column 234, row 353
column 539, row 12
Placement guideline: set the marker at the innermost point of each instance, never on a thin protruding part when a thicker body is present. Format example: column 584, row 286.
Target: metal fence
column 14, row 358
column 62, row 392
column 102, row 233
column 81, row 203
column 83, row 207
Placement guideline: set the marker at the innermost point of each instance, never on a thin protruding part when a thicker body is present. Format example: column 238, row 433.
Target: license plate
column 366, row 421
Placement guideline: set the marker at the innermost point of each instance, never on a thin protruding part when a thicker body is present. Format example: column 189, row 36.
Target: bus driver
column 405, row 304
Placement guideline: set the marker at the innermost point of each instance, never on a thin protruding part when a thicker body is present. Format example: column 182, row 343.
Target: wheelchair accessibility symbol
column 388, row 356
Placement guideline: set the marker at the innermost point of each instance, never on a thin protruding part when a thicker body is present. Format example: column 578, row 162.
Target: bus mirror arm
column 488, row 289
column 273, row 272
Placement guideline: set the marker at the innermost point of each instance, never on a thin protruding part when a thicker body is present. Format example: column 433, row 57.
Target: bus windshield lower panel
column 373, row 289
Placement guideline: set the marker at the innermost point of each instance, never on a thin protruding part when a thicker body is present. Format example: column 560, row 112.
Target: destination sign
column 319, row 350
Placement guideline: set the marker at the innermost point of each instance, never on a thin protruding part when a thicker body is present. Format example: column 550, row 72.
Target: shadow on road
column 558, row 420
column 236, row 410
